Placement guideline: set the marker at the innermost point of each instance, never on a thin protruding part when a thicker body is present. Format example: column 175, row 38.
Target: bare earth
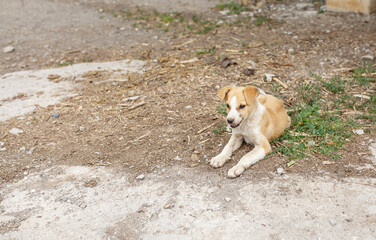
column 139, row 100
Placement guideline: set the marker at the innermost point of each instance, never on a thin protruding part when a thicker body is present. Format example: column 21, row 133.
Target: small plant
column 222, row 109
column 65, row 63
column 335, row 85
column 206, row 51
column 261, row 20
column 233, row 7
column 221, row 129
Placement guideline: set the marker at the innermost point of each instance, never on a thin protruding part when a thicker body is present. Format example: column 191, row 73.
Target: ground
column 63, row 169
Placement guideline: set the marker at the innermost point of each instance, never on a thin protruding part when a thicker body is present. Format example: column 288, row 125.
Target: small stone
column 194, row 157
column 291, row 50
column 228, row 199
column 82, row 129
column 332, row 222
column 64, row 199
column 177, row 158
column 134, row 98
column 16, row 131
column 281, row 171
column 8, row 49
column 83, row 205
column 304, row 6
column 31, row 150
column 188, row 107
column 140, row 177
column 22, row 148
column 249, row 71
column 359, row 131
column 168, row 206
column 2, row 144
column 367, row 58
column 55, row 115
column 311, row 143
column 26, row 173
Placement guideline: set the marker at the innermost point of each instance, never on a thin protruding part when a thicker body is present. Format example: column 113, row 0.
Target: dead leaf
column 227, row 62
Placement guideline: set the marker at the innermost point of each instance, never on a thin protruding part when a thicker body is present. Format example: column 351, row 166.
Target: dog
column 256, row 118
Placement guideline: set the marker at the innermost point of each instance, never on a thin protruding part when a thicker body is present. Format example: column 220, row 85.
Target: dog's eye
column 227, row 106
column 241, row 106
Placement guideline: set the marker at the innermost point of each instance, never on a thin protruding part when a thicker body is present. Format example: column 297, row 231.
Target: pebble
column 2, row 144
column 367, row 58
column 194, row 157
column 177, row 158
column 82, row 129
column 31, row 150
column 22, row 148
column 55, row 115
column 291, row 50
column 8, row 49
column 134, row 98
column 83, row 205
column 188, row 107
column 332, row 222
column 140, row 177
column 359, row 131
column 311, row 143
column 16, row 131
column 228, row 199
column 304, row 6
column 281, row 171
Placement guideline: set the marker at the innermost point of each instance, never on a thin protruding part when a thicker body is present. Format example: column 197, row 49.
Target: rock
column 177, row 158
column 31, row 150
column 134, row 98
column 188, row 107
column 311, row 143
column 332, row 222
column 304, row 6
column 140, row 177
column 2, row 144
column 249, row 71
column 291, row 50
column 83, row 205
column 359, row 131
column 8, row 49
column 228, row 199
column 55, row 115
column 367, row 58
column 16, row 131
column 22, row 148
column 194, row 157
column 281, row 171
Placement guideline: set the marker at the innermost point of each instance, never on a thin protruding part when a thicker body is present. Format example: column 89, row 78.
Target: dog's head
column 241, row 102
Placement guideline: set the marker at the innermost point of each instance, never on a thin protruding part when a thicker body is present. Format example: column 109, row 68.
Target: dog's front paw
column 235, row 171
column 217, row 161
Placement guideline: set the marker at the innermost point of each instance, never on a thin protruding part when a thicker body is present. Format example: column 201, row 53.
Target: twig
column 202, row 142
column 137, row 105
column 280, row 82
column 205, row 128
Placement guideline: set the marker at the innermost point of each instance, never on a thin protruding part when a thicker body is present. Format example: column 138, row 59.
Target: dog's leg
column 234, row 143
column 258, row 153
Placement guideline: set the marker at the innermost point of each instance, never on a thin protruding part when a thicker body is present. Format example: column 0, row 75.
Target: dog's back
column 275, row 119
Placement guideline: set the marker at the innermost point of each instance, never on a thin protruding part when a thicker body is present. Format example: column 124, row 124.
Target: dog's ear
column 250, row 94
column 223, row 92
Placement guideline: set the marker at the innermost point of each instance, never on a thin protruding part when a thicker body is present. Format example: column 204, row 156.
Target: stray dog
column 254, row 117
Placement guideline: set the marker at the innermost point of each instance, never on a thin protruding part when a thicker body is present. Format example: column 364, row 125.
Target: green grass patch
column 206, row 51
column 319, row 124
column 233, row 7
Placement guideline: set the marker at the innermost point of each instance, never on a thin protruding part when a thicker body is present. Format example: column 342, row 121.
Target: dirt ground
column 175, row 97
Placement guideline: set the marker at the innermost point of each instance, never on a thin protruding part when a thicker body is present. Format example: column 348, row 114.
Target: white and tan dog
column 254, row 117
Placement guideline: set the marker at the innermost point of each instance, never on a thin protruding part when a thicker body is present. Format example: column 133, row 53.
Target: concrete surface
column 182, row 203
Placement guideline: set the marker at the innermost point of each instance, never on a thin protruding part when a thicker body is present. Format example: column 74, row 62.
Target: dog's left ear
column 250, row 94
column 223, row 92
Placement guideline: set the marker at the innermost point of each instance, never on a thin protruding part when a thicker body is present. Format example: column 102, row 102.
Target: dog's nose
column 230, row 120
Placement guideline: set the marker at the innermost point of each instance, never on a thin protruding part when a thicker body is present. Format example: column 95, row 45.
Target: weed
column 261, row 20
column 318, row 125
column 206, row 51
column 222, row 109
column 65, row 63
column 233, row 7
column 221, row 129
